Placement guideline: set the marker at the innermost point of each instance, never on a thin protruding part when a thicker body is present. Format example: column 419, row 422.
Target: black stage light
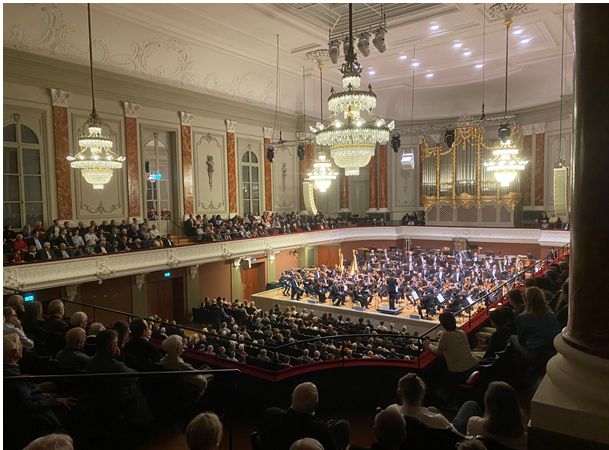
column 301, row 151
column 270, row 154
column 395, row 143
column 504, row 132
column 449, row 138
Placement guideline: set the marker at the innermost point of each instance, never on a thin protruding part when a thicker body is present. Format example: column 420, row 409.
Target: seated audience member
column 168, row 241
column 537, row 328
column 509, row 316
column 78, row 320
column 20, row 244
column 411, row 390
column 91, row 236
column 502, row 420
column 93, row 331
column 12, row 325
column 499, row 339
column 139, row 353
column 17, row 303
column 53, row 323
column 174, row 347
column 89, row 249
column 72, row 356
column 389, row 431
column 154, row 233
column 454, row 346
column 45, row 253
column 472, row 444
column 32, row 317
column 102, row 248
column 122, row 328
column 283, row 428
column 158, row 242
column 204, row 432
column 516, row 301
column 23, row 400
column 55, row 441
column 63, row 252
column 147, row 242
column 123, row 245
column 307, row 444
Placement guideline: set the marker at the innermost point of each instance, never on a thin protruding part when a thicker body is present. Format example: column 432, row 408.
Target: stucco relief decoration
column 284, row 204
column 11, row 282
column 193, row 271
column 284, row 175
column 131, row 109
column 59, row 97
column 173, row 261
column 103, row 270
column 231, row 125
column 303, row 242
column 140, row 280
column 226, row 253
column 210, row 170
column 72, row 291
column 101, row 209
column 268, row 248
column 185, row 118
column 211, row 206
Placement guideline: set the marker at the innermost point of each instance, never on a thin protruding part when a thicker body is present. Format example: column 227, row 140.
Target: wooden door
column 166, row 298
column 251, row 281
column 327, row 255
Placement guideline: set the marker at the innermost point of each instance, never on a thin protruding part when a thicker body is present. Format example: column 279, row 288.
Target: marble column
column 540, row 145
column 572, row 403
column 303, row 173
column 344, row 192
column 134, row 188
column 527, row 147
column 185, row 119
column 61, row 135
column 372, row 187
column 420, row 171
column 231, row 126
column 383, row 178
column 268, row 171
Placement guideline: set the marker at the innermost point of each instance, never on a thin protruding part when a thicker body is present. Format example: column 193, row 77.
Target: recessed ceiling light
column 457, row 45
column 434, row 27
column 415, row 64
column 467, row 53
column 429, row 75
column 525, row 41
column 518, row 31
column 403, row 57
column 372, row 72
column 478, row 66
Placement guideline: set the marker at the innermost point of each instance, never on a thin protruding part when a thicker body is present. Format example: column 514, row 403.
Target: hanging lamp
column 352, row 142
column 96, row 160
column 506, row 164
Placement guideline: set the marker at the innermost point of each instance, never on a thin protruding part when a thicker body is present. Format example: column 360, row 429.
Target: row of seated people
column 123, row 349
column 67, row 241
column 553, row 222
column 253, row 225
column 414, row 219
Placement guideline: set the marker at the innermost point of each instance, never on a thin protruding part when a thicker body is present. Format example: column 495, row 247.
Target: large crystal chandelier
column 506, row 164
column 96, row 160
column 322, row 173
column 352, row 141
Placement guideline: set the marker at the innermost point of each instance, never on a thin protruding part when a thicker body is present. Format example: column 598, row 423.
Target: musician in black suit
column 320, row 290
column 495, row 272
column 551, row 255
column 337, row 295
column 392, row 290
column 296, row 290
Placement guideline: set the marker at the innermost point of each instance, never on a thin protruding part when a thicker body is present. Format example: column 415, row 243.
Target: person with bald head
column 17, row 303
column 306, row 444
column 284, row 428
column 389, row 431
column 72, row 356
column 53, row 323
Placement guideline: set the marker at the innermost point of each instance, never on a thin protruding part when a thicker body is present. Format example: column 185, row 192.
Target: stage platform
column 268, row 299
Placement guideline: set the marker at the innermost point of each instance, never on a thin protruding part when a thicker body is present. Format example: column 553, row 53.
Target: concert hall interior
column 305, row 226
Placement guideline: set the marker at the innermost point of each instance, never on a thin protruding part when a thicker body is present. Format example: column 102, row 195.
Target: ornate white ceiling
column 229, row 50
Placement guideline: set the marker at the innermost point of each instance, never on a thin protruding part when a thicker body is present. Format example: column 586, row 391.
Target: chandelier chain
column 91, row 56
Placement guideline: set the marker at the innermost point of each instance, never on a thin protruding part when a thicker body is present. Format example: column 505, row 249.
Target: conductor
column 392, row 289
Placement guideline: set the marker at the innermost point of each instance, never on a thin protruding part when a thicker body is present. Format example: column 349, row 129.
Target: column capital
column 420, row 136
column 231, row 125
column 540, row 128
column 185, row 118
column 437, row 138
column 59, row 97
column 131, row 109
column 267, row 132
column 527, row 130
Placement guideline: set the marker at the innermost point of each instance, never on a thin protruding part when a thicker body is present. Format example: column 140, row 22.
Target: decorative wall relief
column 210, row 173
column 286, row 177
column 101, row 209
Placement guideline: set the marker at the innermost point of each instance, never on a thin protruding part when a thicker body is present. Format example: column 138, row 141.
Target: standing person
column 392, row 289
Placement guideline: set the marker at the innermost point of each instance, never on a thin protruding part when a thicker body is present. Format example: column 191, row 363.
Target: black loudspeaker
column 312, row 301
column 247, row 263
column 358, row 308
column 415, row 316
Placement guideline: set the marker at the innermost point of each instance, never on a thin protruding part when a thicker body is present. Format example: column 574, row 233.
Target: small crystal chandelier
column 97, row 166
column 352, row 142
column 322, row 173
column 506, row 164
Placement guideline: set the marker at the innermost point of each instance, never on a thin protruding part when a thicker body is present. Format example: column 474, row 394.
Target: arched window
column 158, row 193
column 250, row 182
column 22, row 181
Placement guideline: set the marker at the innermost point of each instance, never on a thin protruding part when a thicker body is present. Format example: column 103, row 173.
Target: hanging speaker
column 247, row 263
column 561, row 192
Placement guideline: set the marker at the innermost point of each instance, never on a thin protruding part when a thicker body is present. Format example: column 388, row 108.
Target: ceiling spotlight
column 364, row 44
column 403, row 57
column 396, row 142
column 467, row 53
column 379, row 40
column 372, row 72
column 270, row 154
column 518, row 31
column 346, row 44
column 504, row 132
column 525, row 41
column 429, row 75
column 457, row 45
column 415, row 64
column 449, row 138
column 478, row 66
column 334, row 46
column 434, row 27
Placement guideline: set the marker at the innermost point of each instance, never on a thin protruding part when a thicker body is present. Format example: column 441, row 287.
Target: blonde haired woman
column 204, row 432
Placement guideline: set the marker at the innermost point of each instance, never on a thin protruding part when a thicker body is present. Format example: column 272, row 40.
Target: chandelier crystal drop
column 322, row 173
column 352, row 138
column 96, row 160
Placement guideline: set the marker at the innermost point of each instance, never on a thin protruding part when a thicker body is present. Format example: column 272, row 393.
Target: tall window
column 22, row 179
column 158, row 194
column 250, row 174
